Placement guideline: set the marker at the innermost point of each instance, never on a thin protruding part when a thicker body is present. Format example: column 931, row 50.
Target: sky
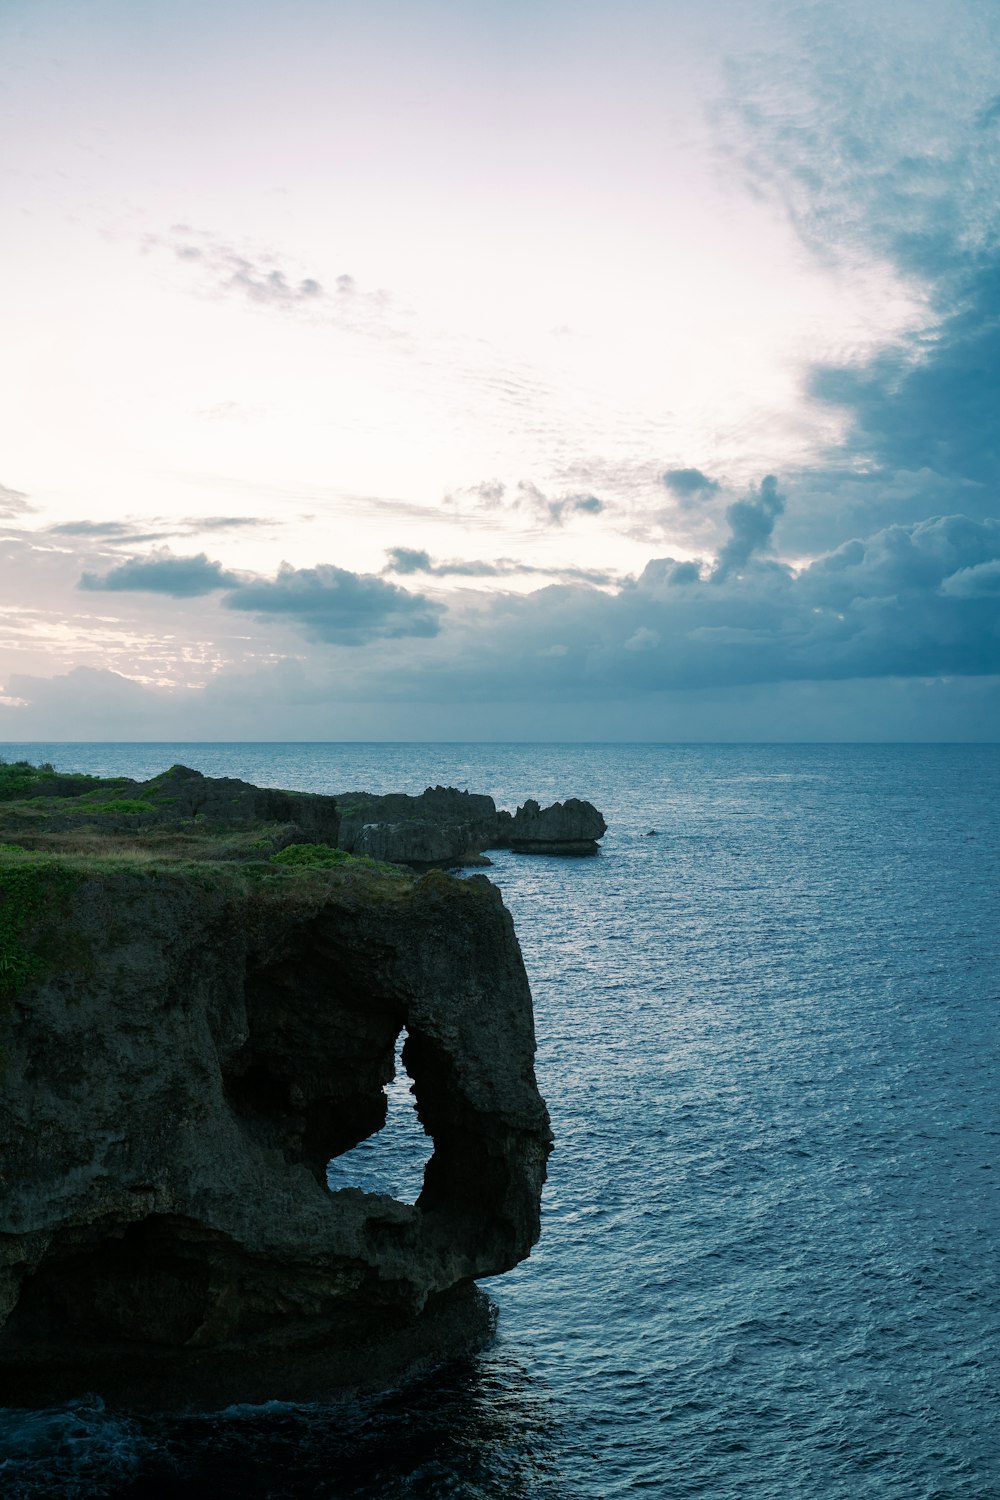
column 564, row 370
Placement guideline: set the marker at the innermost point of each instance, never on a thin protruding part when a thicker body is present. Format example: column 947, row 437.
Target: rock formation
column 571, row 827
column 441, row 827
column 183, row 1047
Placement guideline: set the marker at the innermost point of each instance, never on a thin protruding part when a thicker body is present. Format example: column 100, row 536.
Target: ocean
column 767, row 1036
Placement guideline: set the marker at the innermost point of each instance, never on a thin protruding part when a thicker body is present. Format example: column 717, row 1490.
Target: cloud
column 13, row 503
column 493, row 495
column 133, row 533
column 907, row 601
column 892, row 166
column 890, row 156
column 325, row 603
column 488, row 495
column 224, row 523
column 331, row 605
column 162, row 573
column 981, row 581
column 556, row 511
column 689, row 484
column 221, row 270
column 643, row 639
column 407, row 560
column 91, row 528
column 667, row 570
column 225, row 270
column 938, row 413
column 751, row 524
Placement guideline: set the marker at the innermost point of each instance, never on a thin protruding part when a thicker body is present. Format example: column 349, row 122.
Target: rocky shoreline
column 199, row 1007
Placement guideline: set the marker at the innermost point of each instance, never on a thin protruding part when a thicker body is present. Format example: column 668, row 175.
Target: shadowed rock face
column 201, row 1043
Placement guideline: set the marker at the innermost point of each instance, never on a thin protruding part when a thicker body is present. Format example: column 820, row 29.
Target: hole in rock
column 391, row 1161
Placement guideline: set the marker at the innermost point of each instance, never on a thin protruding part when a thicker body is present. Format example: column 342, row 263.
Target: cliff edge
column 184, row 1044
column 441, row 827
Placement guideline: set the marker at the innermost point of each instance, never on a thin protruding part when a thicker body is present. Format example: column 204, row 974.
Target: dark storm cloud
column 907, row 601
column 689, row 484
column 940, row 413
column 751, row 525
column 181, row 577
column 331, row 605
column 404, row 560
column 982, row 581
column 904, row 561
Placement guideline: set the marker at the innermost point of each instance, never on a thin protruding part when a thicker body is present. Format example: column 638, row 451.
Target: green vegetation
column 29, row 889
column 323, row 857
column 20, row 781
column 90, row 826
column 122, row 805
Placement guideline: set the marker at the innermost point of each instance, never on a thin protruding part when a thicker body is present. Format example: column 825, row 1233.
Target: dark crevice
column 148, row 1283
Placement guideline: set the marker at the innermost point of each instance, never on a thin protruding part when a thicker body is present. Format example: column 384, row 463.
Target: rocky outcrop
column 181, row 794
column 571, row 827
column 441, row 827
column 184, row 1050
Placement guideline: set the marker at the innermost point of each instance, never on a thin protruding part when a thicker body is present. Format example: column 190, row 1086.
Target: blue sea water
column 768, row 1041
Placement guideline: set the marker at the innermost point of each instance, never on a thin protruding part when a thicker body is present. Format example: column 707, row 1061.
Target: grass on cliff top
column 20, row 779
column 39, row 822
column 323, row 857
column 43, row 786
column 214, row 859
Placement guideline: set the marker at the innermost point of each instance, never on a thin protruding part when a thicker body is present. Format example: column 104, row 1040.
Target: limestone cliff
column 440, row 827
column 184, row 1046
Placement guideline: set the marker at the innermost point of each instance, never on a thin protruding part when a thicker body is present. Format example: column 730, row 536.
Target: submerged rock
column 183, row 1049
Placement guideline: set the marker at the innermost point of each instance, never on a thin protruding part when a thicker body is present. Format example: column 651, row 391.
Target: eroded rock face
column 202, row 1043
column 443, row 826
column 571, row 827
